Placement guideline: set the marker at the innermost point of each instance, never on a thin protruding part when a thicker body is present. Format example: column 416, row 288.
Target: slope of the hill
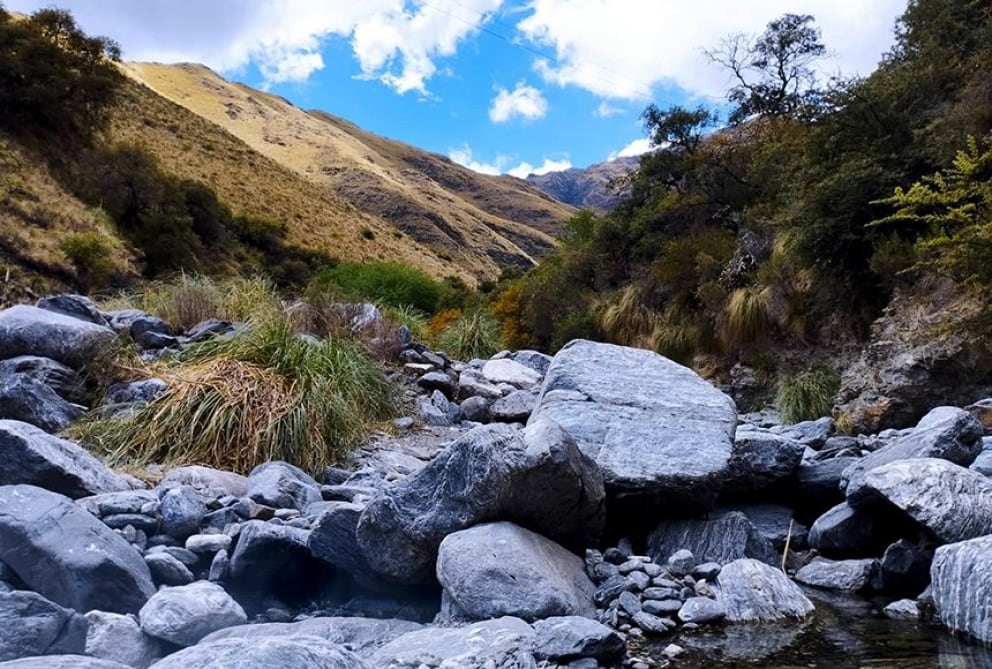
column 474, row 224
column 586, row 187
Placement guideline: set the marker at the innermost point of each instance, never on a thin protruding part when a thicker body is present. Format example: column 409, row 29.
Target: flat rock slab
column 360, row 635
column 496, row 643
column 952, row 502
column 962, row 587
column 752, row 591
column 33, row 457
column 298, row 652
column 500, row 569
column 850, row 575
column 68, row 555
column 655, row 428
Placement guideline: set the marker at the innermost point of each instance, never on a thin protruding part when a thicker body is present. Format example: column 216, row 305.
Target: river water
column 844, row 633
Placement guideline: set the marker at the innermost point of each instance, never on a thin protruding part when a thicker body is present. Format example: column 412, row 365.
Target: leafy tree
column 774, row 72
column 53, row 77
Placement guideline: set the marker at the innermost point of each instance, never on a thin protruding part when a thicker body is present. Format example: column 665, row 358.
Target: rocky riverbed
column 606, row 507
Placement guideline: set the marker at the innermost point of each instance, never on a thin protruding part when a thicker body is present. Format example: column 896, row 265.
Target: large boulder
column 952, row 502
column 334, row 541
column 360, row 635
column 759, row 460
column 210, row 483
column 118, row 638
column 69, row 556
column 751, row 591
column 26, row 330
column 844, row 531
column 817, row 484
column 27, row 399
column 185, row 614
column 29, row 455
column 503, row 642
column 500, row 569
column 273, row 562
column 850, row 575
column 660, row 434
column 298, row 652
column 721, row 539
column 32, row 626
column 75, row 306
column 961, row 580
column 538, row 478
column 568, row 638
column 60, row 378
column 63, row 662
column 945, row 433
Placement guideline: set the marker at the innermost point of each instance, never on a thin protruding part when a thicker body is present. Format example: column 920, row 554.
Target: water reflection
column 845, row 633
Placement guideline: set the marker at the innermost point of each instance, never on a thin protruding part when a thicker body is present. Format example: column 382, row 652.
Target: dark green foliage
column 92, row 256
column 387, row 283
column 53, row 77
column 807, row 396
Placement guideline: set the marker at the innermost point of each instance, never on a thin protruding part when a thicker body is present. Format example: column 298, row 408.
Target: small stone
column 701, row 610
column 208, row 544
column 653, row 570
column 672, row 651
column 663, row 608
column 631, row 565
column 661, row 594
column 704, row 590
column 630, row 603
column 610, row 590
column 639, row 579
column 707, row 571
column 903, row 609
column 167, row 570
column 650, row 623
column 681, row 562
column 219, row 567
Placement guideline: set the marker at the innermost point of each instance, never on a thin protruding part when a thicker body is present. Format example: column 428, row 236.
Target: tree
column 53, row 77
column 774, row 72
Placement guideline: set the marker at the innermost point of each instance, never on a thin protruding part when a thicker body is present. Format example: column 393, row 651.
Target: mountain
column 449, row 218
column 588, row 187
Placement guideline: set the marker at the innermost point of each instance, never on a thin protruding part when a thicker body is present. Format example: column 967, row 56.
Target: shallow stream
column 845, row 632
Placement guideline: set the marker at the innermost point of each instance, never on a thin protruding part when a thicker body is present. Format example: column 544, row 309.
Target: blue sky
column 499, row 85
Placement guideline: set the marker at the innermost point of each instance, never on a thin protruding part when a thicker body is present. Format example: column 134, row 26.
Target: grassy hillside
column 469, row 224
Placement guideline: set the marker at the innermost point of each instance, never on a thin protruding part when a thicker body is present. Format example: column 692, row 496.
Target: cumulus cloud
column 463, row 156
column 524, row 102
column 635, row 148
column 623, row 49
column 606, row 110
column 394, row 41
column 523, row 170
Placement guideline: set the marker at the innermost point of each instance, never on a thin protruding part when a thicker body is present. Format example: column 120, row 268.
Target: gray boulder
column 503, row 642
column 210, row 483
column 851, row 575
column 759, row 460
column 282, row 486
column 983, row 463
column 500, row 569
column 333, row 540
column 476, row 409
column 510, row 372
column 298, row 652
column 537, row 361
column 721, row 539
column 812, row 433
column 27, row 399
column 166, row 569
column 33, row 457
column 26, row 330
column 903, row 609
column 184, row 615
column 659, row 433
column 906, row 567
column 135, row 392
column 32, row 625
column 777, row 524
column 63, row 662
column 124, row 502
column 952, row 502
column 118, row 638
column 702, row 610
column 536, row 477
column 817, row 485
column 273, row 561
column 360, row 635
column 568, row 638
column 74, row 306
column 844, row 531
column 751, row 591
column 69, row 556
column 60, row 378
column 962, row 587
column 182, row 511
column 514, row 408
column 945, row 433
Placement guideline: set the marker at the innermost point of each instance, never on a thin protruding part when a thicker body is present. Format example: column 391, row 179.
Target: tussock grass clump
column 807, row 396
column 474, row 335
column 190, row 299
column 628, row 320
column 677, row 341
column 746, row 316
column 265, row 395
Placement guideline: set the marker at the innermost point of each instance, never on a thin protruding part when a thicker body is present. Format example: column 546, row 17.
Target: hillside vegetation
column 773, row 233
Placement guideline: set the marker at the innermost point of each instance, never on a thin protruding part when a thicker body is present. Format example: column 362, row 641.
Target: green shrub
column 807, row 396
column 746, row 316
column 267, row 394
column 386, row 283
column 473, row 335
column 189, row 299
column 92, row 256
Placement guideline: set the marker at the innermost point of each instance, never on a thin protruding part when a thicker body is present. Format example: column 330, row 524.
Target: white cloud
column 635, row 148
column 606, row 110
column 463, row 156
column 523, row 170
column 623, row 49
column 524, row 101
column 394, row 41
